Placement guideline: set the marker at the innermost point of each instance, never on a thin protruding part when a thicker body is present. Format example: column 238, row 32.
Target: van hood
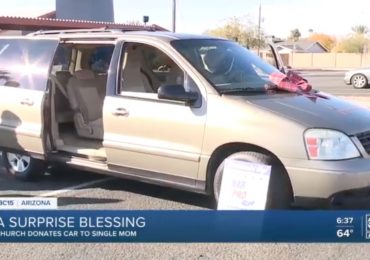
column 330, row 112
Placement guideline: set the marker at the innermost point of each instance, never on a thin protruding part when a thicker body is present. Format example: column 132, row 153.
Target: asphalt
column 185, row 251
column 83, row 190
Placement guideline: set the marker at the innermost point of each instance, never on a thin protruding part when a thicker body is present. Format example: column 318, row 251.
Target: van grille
column 364, row 138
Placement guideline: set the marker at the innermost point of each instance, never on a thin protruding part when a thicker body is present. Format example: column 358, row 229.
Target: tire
column 22, row 166
column 280, row 193
column 359, row 81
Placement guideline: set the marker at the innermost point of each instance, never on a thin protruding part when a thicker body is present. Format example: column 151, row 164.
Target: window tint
column 146, row 68
column 25, row 63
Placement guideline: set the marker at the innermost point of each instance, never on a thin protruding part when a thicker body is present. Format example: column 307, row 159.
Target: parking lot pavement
column 9, row 186
column 83, row 190
column 185, row 251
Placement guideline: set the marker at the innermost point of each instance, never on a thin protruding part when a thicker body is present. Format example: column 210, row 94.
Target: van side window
column 62, row 59
column 145, row 68
column 25, row 63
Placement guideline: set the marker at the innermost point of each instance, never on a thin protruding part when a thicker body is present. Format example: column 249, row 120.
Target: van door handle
column 27, row 102
column 121, row 112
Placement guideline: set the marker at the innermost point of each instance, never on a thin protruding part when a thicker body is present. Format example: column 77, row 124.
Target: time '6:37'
column 344, row 220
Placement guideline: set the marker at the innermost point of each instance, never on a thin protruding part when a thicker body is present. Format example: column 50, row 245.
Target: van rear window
column 25, row 63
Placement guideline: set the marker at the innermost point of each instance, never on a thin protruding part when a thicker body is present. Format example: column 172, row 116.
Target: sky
column 279, row 17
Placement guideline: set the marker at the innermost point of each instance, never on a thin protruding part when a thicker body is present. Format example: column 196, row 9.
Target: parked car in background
column 358, row 78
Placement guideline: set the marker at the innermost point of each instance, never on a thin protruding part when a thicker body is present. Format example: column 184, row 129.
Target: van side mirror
column 177, row 93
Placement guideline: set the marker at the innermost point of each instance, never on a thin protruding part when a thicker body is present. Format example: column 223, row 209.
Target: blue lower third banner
column 184, row 226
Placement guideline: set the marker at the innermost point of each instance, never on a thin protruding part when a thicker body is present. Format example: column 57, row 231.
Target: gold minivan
column 169, row 109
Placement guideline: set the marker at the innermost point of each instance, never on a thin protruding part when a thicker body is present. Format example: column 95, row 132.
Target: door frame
column 113, row 84
column 44, row 121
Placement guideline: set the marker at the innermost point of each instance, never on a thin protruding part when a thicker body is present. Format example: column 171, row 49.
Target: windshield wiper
column 241, row 90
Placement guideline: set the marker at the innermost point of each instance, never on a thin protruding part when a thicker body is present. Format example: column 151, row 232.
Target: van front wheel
column 22, row 166
column 280, row 194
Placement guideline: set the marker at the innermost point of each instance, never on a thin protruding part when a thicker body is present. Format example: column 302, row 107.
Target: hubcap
column 18, row 162
column 359, row 81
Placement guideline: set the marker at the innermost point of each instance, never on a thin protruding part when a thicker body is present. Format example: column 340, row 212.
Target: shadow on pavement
column 66, row 177
column 159, row 192
column 48, row 182
column 66, row 201
column 10, row 187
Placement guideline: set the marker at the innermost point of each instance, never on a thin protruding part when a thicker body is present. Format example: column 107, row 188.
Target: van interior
column 78, row 86
column 78, row 82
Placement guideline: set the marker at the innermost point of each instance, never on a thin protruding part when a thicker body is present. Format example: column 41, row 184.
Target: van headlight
column 324, row 144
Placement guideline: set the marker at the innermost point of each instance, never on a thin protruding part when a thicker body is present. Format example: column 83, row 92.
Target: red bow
column 292, row 82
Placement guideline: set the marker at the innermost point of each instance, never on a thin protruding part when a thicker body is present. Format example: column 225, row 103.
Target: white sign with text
column 244, row 186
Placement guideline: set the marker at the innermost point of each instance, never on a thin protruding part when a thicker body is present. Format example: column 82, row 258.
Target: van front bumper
column 330, row 183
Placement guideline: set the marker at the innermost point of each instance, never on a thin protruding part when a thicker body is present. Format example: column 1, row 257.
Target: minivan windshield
column 228, row 66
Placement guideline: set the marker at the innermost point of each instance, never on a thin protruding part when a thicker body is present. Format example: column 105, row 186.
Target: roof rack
column 93, row 30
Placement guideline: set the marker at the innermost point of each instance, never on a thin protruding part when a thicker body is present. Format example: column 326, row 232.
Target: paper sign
column 244, row 186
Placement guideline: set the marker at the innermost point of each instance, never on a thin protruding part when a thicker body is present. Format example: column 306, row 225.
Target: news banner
column 39, row 220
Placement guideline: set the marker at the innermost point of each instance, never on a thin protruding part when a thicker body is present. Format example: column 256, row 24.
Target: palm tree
column 295, row 34
column 360, row 29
